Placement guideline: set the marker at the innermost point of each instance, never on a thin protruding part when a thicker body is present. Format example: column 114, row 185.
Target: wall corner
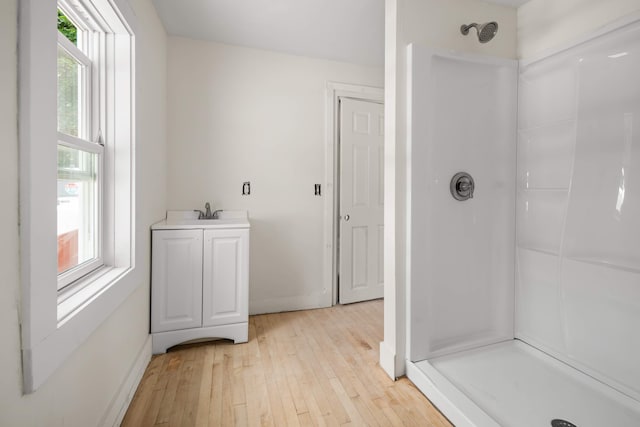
column 388, row 360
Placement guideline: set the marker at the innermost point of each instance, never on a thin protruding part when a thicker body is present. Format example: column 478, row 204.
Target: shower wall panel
column 462, row 112
column 578, row 207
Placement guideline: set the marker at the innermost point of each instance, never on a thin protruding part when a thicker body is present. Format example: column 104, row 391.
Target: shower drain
column 561, row 423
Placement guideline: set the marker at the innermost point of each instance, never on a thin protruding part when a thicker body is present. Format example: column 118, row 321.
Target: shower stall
column 524, row 294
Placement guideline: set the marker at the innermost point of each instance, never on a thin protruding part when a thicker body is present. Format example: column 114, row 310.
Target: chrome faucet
column 207, row 214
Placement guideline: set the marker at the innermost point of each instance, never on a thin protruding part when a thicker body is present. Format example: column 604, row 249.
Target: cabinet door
column 225, row 282
column 176, row 280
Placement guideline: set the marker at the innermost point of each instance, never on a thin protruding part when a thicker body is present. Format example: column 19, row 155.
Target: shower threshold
column 514, row 384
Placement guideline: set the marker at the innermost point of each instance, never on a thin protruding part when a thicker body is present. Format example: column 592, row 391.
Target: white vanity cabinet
column 176, row 287
column 225, row 264
column 199, row 281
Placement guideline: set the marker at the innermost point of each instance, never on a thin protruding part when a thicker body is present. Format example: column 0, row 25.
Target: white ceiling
column 342, row 30
column 512, row 3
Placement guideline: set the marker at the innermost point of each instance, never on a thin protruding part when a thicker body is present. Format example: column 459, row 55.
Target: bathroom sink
column 179, row 220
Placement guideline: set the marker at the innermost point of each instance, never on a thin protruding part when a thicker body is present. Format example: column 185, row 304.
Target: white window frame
column 73, row 276
column 54, row 323
column 91, row 76
column 89, row 43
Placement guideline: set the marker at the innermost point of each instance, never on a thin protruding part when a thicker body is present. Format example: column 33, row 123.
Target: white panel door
column 176, row 280
column 225, row 284
column 361, row 200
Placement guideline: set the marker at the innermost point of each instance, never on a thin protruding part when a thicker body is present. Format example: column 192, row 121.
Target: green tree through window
column 69, row 80
column 67, row 28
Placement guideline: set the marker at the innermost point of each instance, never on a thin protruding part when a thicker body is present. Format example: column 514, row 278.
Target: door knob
column 346, row 217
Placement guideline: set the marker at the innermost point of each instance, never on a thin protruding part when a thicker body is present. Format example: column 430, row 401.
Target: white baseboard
column 277, row 305
column 388, row 360
column 118, row 407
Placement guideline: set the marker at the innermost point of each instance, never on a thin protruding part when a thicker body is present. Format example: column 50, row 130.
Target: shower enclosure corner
column 523, row 297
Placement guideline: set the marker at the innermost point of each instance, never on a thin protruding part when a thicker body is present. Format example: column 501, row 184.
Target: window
column 80, row 151
column 77, row 213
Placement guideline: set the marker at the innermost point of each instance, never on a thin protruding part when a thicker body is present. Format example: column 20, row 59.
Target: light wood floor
column 315, row 367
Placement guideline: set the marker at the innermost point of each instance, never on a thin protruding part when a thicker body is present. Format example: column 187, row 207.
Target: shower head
column 486, row 31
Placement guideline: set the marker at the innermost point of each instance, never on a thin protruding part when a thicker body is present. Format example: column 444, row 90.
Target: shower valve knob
column 462, row 186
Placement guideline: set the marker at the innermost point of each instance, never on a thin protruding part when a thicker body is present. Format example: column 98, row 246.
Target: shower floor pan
column 514, row 384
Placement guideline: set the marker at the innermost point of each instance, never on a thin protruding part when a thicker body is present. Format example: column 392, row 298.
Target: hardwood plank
column 143, row 398
column 269, row 371
column 240, row 415
column 257, row 396
column 173, row 368
column 316, row 382
column 305, row 420
column 215, row 411
column 179, row 404
column 279, row 393
column 305, row 368
column 232, row 385
column 204, row 395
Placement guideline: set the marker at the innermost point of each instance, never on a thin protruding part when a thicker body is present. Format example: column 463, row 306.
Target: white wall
column 431, row 23
column 546, row 24
column 238, row 114
column 88, row 388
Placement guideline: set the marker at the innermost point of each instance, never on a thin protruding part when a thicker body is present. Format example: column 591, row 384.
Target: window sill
column 87, row 290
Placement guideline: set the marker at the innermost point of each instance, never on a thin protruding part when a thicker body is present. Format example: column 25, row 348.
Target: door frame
column 334, row 92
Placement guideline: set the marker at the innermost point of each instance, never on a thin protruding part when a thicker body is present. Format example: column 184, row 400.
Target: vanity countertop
column 184, row 220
